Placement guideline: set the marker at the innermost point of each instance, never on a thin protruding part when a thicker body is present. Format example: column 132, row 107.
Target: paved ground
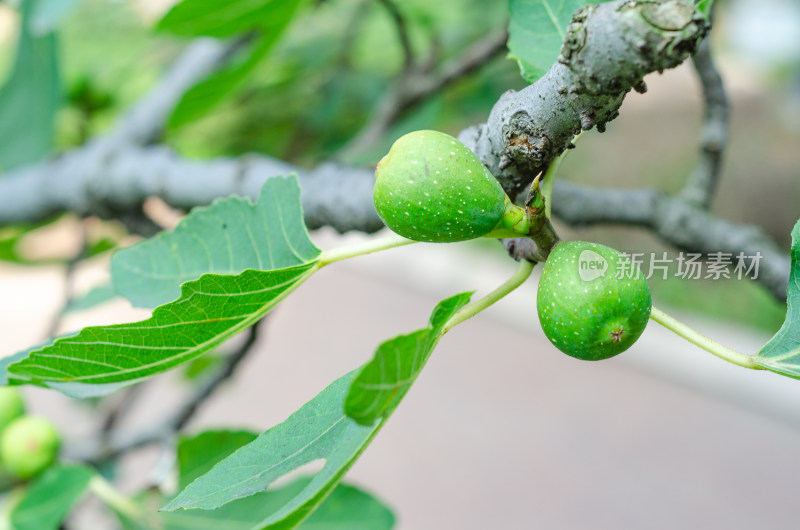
column 501, row 430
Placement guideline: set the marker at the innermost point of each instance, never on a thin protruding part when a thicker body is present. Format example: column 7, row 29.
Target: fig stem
column 527, row 221
column 549, row 178
column 723, row 352
column 368, row 247
column 522, row 274
column 517, row 221
column 114, row 499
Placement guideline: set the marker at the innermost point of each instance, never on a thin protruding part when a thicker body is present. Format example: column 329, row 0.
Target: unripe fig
column 11, row 405
column 28, row 446
column 593, row 303
column 431, row 187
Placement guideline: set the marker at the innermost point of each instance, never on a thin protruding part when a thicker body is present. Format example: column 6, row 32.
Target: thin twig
column 168, row 428
column 702, row 183
column 402, row 32
column 468, row 62
column 416, row 86
column 351, row 32
column 187, row 411
column 125, row 400
column 520, row 248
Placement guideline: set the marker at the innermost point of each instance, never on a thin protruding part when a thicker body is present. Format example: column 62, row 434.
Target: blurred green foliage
column 324, row 78
column 30, row 94
column 305, row 99
column 109, row 58
column 320, row 83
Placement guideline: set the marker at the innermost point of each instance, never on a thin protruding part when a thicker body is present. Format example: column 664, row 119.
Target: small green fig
column 28, row 446
column 431, row 187
column 593, row 303
column 11, row 405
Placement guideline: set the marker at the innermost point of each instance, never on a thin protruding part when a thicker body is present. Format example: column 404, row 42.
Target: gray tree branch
column 608, row 49
column 679, row 222
column 143, row 121
column 87, row 183
column 417, row 84
column 702, row 183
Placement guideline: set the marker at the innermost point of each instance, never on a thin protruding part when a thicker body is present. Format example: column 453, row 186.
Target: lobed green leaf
column 30, row 97
column 199, row 453
column 227, row 237
column 386, row 379
column 318, row 430
column 349, row 508
column 194, row 18
column 209, row 311
column 206, row 94
column 781, row 354
column 99, row 294
column 705, row 6
column 345, row 508
column 48, row 14
column 268, row 18
column 8, row 360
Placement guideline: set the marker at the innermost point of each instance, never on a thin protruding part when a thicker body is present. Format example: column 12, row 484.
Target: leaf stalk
column 723, row 352
column 368, row 247
column 519, row 277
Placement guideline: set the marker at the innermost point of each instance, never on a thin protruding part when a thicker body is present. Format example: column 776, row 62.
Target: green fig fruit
column 11, row 405
column 593, row 303
column 431, row 187
column 28, row 446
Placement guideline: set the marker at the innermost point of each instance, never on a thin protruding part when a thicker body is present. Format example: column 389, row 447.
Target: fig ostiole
column 431, row 187
column 28, row 446
column 593, row 303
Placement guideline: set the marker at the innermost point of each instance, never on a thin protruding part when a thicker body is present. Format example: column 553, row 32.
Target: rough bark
column 609, row 48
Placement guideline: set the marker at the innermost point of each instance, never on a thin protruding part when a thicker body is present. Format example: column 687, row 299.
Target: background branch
column 681, row 223
column 169, row 427
column 525, row 131
column 402, row 32
column 702, row 183
column 123, row 401
column 206, row 389
column 88, row 184
column 355, row 23
column 143, row 122
column 608, row 50
column 415, row 85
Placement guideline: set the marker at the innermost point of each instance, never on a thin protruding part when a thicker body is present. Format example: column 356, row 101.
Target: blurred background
column 501, row 431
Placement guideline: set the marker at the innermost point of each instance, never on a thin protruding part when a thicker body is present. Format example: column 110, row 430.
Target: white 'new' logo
column 591, row 265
